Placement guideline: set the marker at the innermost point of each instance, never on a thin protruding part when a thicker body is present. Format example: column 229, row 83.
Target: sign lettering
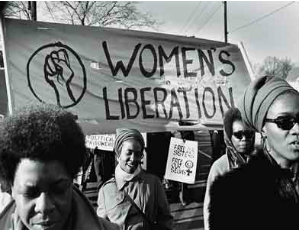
column 119, row 78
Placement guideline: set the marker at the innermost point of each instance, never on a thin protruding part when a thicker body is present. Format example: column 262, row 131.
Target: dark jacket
column 82, row 217
column 259, row 195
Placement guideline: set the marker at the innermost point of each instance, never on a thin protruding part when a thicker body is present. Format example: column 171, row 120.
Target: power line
column 201, row 11
column 210, row 17
column 203, row 22
column 259, row 19
column 187, row 22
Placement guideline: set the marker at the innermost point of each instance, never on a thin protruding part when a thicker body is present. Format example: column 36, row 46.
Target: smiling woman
column 133, row 199
column 36, row 145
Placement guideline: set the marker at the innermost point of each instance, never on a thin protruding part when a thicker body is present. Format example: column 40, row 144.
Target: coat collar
column 122, row 177
column 82, row 215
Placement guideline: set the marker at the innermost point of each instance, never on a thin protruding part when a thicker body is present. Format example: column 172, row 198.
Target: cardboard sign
column 182, row 161
column 104, row 142
column 122, row 78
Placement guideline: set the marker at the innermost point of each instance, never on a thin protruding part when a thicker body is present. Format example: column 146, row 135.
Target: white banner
column 104, row 142
column 121, row 78
column 182, row 161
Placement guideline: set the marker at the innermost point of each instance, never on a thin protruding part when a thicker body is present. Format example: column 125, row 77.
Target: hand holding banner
column 182, row 161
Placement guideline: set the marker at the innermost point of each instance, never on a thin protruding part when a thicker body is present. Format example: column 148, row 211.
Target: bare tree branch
column 97, row 13
column 17, row 10
column 276, row 67
column 120, row 14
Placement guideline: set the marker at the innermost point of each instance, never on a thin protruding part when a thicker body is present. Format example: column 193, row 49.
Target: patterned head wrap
column 258, row 98
column 123, row 135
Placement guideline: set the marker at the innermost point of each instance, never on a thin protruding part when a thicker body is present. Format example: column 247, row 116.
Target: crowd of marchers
column 42, row 149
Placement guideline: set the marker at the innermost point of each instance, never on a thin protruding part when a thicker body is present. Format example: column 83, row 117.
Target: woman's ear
column 118, row 157
column 263, row 136
column 263, row 132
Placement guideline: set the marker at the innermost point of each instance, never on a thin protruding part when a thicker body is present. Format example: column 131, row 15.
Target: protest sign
column 104, row 142
column 182, row 160
column 123, row 78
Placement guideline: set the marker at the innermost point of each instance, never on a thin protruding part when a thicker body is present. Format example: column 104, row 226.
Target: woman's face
column 283, row 145
column 43, row 193
column 243, row 143
column 130, row 156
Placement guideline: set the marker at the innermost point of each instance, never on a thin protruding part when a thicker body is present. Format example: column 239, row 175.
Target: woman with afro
column 41, row 150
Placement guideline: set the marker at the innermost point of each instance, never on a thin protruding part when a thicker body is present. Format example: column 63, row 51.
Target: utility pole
column 225, row 21
column 32, row 8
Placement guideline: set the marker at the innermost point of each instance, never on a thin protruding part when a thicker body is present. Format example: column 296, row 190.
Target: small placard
column 182, row 161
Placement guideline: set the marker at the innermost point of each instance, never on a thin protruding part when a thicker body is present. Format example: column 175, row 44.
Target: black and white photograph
column 149, row 115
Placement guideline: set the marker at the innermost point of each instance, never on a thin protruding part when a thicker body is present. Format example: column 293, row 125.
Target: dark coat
column 259, row 195
column 82, row 216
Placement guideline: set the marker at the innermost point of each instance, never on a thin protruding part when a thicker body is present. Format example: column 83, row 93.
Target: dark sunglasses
column 240, row 134
column 285, row 122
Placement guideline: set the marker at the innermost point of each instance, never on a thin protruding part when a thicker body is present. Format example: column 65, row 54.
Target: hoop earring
column 263, row 138
column 264, row 144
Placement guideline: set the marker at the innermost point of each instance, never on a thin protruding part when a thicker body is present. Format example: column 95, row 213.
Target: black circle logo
column 189, row 164
column 59, row 73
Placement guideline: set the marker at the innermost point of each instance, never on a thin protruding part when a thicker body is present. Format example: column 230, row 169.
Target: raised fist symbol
column 63, row 70
column 57, row 70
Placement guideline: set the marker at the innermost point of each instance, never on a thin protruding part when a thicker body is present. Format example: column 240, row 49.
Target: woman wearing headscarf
column 239, row 140
column 133, row 199
column 263, row 194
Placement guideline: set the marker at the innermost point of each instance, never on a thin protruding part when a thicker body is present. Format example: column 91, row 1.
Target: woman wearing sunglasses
column 263, row 194
column 239, row 140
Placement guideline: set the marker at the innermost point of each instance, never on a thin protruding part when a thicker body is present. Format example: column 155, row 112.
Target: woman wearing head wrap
column 239, row 140
column 133, row 199
column 263, row 194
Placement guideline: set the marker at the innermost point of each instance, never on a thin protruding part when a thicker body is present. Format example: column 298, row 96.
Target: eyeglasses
column 285, row 122
column 240, row 134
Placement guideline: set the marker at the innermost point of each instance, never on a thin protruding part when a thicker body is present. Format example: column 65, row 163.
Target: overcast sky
column 266, row 29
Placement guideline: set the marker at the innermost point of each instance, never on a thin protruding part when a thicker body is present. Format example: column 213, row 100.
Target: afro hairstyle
column 44, row 133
